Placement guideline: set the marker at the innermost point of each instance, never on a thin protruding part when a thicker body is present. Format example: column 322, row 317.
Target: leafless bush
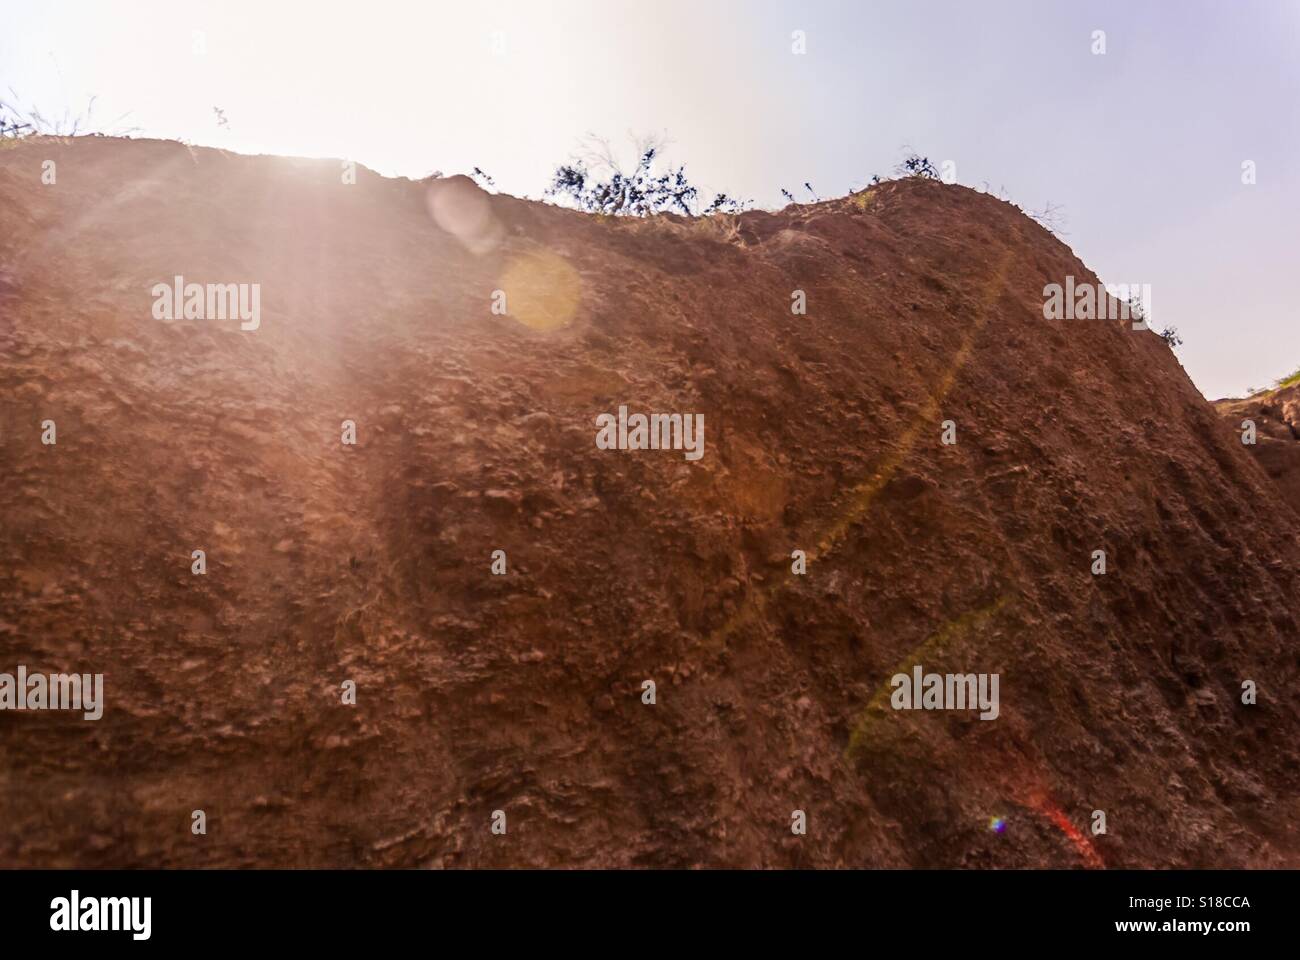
column 594, row 181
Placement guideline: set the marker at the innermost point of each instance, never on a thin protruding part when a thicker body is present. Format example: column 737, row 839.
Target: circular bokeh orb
column 459, row 206
column 543, row 290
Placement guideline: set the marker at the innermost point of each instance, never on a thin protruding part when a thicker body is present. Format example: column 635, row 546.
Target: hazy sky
column 1142, row 146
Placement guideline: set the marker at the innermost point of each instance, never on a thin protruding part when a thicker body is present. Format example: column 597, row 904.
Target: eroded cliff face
column 1275, row 416
column 476, row 431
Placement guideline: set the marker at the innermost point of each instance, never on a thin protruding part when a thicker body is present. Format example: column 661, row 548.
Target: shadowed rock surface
column 476, row 433
column 1276, row 414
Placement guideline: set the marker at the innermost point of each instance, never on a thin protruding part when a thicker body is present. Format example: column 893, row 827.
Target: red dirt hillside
column 476, row 432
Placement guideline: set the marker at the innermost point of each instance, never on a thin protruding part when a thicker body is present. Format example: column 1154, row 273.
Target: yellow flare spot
column 542, row 290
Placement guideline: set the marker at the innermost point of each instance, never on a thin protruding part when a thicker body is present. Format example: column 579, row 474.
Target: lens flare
column 542, row 290
column 460, row 207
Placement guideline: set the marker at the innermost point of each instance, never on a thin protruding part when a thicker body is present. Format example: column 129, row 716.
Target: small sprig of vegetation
column 914, row 165
column 1288, row 381
column 1051, row 218
column 12, row 128
column 725, row 204
column 596, row 183
column 17, row 122
column 639, row 193
column 13, row 122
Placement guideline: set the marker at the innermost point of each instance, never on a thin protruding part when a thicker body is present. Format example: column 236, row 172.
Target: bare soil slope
column 476, row 432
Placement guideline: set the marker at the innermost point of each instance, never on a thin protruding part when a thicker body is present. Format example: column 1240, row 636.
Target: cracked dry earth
column 475, row 431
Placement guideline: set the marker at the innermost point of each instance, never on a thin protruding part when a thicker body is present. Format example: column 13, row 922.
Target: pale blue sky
column 1142, row 146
